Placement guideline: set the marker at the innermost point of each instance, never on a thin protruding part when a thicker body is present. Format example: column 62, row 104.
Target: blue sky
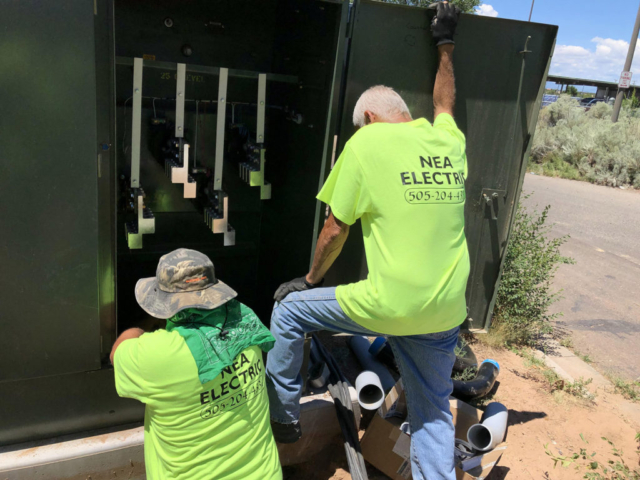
column 593, row 37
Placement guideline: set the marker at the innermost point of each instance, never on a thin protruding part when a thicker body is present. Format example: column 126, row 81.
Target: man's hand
column 443, row 25
column 296, row 285
column 330, row 242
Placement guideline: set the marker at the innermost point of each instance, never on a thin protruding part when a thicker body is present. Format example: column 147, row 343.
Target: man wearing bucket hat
column 202, row 378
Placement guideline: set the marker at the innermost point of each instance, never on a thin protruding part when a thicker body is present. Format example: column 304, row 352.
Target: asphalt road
column 601, row 303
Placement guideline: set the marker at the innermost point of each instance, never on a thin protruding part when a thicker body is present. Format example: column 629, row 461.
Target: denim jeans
column 425, row 363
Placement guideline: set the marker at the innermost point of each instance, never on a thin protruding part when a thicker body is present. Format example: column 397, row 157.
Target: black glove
column 295, row 285
column 444, row 23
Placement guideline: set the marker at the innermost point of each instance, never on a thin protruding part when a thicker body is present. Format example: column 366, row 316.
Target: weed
column 567, row 342
column 467, row 374
column 531, row 360
column 629, row 390
column 495, row 337
column 459, row 349
column 612, row 469
column 524, row 296
column 577, row 388
column 481, row 402
column 585, row 358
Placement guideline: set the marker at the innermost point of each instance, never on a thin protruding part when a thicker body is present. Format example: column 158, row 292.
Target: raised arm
column 443, row 28
column 444, row 90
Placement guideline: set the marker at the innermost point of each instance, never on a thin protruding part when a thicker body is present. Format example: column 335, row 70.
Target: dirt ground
column 536, row 417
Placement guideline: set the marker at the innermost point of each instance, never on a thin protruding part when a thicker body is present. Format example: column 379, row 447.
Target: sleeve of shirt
column 345, row 190
column 130, row 381
column 445, row 122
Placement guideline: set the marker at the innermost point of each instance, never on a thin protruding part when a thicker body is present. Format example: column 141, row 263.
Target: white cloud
column 487, row 10
column 603, row 63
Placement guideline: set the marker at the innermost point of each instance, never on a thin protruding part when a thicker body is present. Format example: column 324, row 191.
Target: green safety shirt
column 405, row 181
column 219, row 429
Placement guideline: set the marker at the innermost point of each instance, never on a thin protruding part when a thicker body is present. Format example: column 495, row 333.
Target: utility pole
column 627, row 67
column 532, row 2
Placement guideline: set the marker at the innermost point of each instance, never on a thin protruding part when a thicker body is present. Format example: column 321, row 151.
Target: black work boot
column 286, row 432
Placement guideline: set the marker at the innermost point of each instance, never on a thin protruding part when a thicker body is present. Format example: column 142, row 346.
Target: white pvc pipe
column 370, row 392
column 489, row 433
column 360, row 346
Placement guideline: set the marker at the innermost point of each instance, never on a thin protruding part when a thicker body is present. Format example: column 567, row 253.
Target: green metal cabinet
column 68, row 274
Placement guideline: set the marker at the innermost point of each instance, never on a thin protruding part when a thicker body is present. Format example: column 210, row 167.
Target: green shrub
column 521, row 312
column 631, row 102
column 572, row 143
column 629, row 390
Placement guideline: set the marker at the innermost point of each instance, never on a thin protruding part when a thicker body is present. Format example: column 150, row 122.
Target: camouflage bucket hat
column 184, row 279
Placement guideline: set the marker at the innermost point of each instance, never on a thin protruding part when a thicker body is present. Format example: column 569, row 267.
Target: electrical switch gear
column 179, row 172
column 144, row 222
column 252, row 170
column 216, row 214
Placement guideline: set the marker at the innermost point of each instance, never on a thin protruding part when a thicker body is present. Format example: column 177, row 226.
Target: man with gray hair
column 404, row 179
column 386, row 104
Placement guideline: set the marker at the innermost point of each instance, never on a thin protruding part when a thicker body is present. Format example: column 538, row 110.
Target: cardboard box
column 387, row 448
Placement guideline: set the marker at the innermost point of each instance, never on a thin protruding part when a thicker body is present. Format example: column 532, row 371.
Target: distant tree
column 467, row 6
column 631, row 101
column 573, row 91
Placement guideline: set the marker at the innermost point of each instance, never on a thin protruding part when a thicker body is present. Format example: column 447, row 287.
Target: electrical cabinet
column 247, row 87
column 130, row 129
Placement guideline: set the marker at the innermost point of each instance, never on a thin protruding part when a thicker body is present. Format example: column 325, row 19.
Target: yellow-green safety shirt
column 405, row 181
column 196, row 431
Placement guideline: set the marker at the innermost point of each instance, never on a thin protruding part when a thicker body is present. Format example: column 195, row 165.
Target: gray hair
column 383, row 101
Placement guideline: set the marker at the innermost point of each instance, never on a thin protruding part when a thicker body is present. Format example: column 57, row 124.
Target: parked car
column 548, row 100
column 587, row 103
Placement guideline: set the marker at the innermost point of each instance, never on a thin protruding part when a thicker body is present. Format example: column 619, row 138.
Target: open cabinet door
column 500, row 68
column 49, row 191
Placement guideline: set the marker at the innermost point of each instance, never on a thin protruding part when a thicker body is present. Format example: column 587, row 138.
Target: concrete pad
column 320, row 427
column 576, row 367
column 120, row 454
column 571, row 367
column 100, row 457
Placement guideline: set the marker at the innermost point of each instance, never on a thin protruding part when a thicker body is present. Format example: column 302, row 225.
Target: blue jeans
column 425, row 363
